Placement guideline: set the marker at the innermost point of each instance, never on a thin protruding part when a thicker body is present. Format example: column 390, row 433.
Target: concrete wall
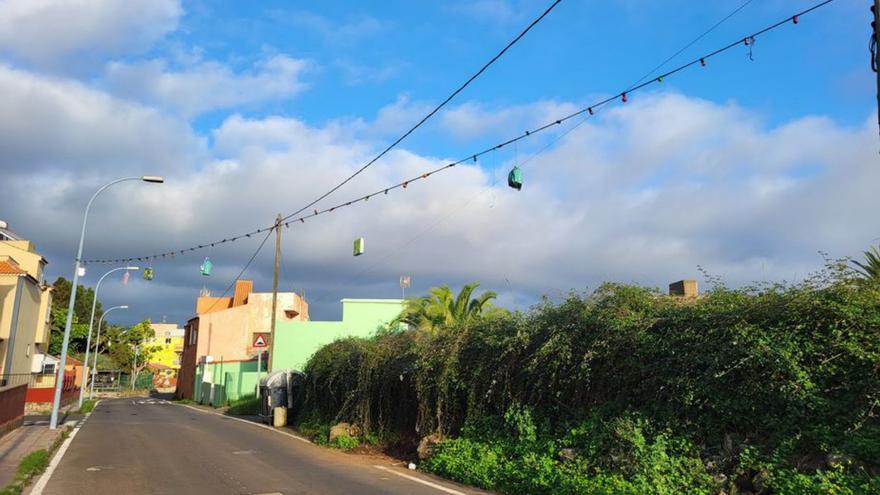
column 295, row 342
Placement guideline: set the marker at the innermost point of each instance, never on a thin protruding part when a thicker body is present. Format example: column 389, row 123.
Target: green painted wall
column 231, row 380
column 296, row 341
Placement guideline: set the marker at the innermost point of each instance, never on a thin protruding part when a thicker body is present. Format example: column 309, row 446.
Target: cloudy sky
column 747, row 167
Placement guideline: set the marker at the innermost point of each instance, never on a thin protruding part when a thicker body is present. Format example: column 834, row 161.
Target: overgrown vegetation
column 248, row 405
column 771, row 389
column 88, row 406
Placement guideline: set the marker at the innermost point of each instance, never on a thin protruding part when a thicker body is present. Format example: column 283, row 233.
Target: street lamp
column 97, row 343
column 92, row 320
column 56, row 403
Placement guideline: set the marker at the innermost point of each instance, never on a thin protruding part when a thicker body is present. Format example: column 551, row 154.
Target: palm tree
column 870, row 269
column 441, row 308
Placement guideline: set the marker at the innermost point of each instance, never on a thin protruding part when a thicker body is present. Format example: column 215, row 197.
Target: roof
column 158, row 366
column 7, row 268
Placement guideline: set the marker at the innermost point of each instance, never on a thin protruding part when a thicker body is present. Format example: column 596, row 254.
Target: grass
column 246, row 406
column 32, row 465
column 88, row 406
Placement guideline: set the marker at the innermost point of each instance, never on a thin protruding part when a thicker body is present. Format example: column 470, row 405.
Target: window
column 48, row 368
column 27, row 351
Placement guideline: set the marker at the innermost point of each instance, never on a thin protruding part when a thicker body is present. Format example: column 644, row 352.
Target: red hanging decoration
column 623, row 97
column 794, row 19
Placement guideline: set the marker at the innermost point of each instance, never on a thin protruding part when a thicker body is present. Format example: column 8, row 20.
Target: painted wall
column 296, row 341
column 30, row 321
column 229, row 381
column 168, row 354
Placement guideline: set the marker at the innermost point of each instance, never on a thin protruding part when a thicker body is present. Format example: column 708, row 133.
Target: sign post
column 259, row 344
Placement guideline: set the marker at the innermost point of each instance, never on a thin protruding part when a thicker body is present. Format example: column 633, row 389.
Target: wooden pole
column 274, row 291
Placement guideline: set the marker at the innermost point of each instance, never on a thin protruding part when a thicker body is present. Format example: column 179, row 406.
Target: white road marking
column 56, row 459
column 291, row 435
column 419, row 480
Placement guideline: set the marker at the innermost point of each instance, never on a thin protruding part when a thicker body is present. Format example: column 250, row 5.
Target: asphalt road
column 148, row 446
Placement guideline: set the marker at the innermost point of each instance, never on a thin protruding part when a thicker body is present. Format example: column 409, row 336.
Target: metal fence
column 36, row 380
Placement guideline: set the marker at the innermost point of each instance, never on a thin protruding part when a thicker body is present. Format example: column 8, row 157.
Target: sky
column 744, row 170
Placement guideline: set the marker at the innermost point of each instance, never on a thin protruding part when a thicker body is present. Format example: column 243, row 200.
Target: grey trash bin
column 280, row 388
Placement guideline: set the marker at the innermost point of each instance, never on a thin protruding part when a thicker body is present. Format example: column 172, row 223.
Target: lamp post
column 97, row 343
column 59, row 382
column 92, row 320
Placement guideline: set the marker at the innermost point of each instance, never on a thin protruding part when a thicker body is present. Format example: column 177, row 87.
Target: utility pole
column 875, row 63
column 274, row 291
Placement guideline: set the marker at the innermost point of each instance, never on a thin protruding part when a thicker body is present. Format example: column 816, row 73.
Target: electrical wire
column 694, row 41
column 586, row 112
column 432, row 112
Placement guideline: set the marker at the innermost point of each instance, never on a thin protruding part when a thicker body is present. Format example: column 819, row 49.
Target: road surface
column 148, row 446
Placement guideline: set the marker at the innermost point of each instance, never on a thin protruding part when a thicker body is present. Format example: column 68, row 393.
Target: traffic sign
column 260, row 341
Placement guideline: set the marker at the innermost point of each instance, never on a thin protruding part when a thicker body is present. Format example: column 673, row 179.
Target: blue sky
column 366, row 54
column 746, row 167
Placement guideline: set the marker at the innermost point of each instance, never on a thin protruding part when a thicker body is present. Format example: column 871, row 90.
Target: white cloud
column 61, row 126
column 207, row 85
column 45, row 32
column 473, row 119
column 640, row 193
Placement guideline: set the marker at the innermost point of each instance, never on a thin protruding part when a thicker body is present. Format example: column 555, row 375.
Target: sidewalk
column 18, row 443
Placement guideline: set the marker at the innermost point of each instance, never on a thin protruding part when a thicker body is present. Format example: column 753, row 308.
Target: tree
column 870, row 269
column 130, row 348
column 441, row 308
column 82, row 310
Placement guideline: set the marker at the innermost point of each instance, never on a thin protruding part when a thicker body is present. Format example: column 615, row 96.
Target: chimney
column 684, row 288
column 243, row 289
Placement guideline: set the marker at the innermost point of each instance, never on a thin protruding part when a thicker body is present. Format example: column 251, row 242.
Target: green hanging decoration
column 359, row 246
column 148, row 273
column 207, row 266
column 515, row 179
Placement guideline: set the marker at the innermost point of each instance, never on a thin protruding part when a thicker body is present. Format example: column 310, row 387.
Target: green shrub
column 344, row 442
column 655, row 393
column 245, row 406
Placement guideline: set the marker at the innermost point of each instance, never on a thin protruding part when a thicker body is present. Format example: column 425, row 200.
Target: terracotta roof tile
column 7, row 268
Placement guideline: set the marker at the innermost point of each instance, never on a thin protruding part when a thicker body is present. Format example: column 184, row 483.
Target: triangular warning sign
column 260, row 342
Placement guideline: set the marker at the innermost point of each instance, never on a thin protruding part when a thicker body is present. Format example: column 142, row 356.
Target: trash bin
column 280, row 388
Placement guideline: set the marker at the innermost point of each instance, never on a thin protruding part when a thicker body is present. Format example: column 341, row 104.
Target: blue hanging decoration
column 207, row 266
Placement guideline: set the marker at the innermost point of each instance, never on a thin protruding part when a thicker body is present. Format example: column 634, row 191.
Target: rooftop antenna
column 405, row 283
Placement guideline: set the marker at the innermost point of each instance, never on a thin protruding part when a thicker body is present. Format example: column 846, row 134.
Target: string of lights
column 622, row 97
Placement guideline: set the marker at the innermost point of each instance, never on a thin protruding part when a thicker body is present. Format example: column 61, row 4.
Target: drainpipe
column 13, row 328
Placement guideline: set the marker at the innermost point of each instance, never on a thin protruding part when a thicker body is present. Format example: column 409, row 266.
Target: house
column 223, row 333
column 169, row 340
column 25, row 306
column 165, row 361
